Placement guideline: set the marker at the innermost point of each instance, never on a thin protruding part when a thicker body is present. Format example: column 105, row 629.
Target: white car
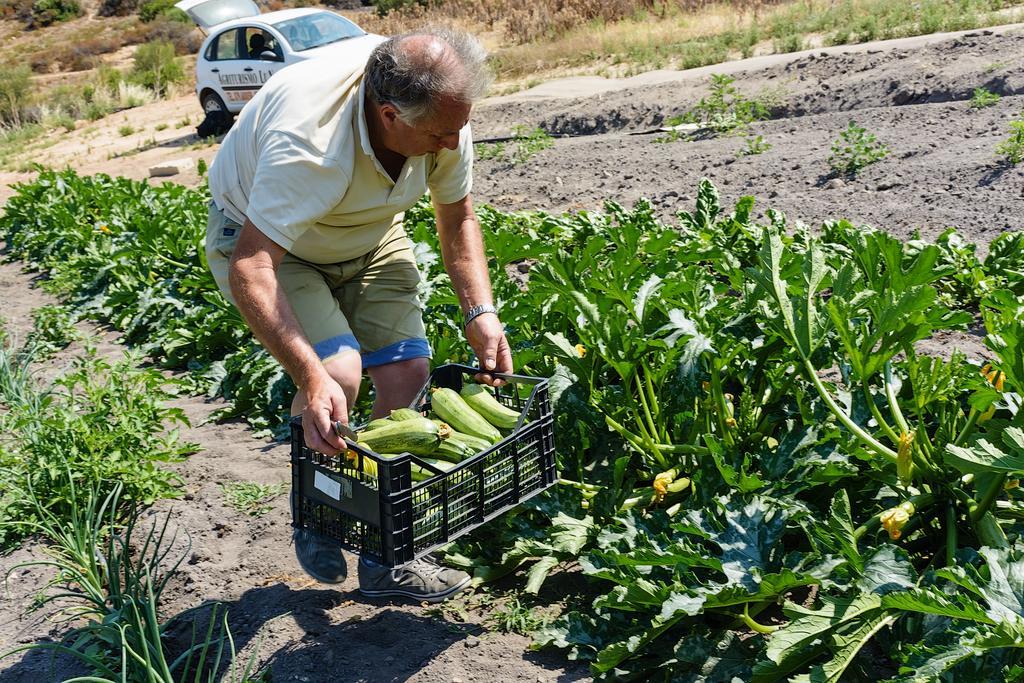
column 244, row 48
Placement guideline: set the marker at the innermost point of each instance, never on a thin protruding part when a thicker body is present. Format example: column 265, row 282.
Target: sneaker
column 318, row 557
column 421, row 580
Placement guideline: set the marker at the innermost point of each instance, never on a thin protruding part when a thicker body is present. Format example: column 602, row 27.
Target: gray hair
column 414, row 77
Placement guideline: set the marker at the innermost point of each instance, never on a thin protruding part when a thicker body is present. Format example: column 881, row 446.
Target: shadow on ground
column 313, row 635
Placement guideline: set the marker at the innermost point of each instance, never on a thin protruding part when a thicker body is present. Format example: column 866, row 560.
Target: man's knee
column 347, row 370
column 411, row 370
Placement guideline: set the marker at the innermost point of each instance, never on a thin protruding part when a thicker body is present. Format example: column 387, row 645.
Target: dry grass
column 618, row 37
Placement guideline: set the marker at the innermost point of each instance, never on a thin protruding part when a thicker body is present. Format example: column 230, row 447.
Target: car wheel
column 212, row 102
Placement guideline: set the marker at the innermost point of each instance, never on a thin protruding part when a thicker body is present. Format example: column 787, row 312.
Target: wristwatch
column 478, row 310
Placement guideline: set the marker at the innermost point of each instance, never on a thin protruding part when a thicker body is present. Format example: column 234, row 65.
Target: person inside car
column 257, row 44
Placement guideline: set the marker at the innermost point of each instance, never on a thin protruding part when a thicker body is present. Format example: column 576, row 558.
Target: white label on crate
column 327, row 485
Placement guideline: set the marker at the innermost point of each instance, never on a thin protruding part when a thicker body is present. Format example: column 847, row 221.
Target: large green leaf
column 847, row 645
column 1000, row 584
column 836, row 535
column 718, row 656
column 932, row 601
column 807, row 625
column 973, row 643
column 983, row 456
column 746, row 534
column 888, row 569
column 707, row 210
column 583, row 634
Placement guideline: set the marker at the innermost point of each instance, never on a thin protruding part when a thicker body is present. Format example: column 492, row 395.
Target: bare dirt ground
column 942, row 171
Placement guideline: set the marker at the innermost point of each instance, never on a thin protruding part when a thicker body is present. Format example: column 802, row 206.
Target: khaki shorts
column 368, row 304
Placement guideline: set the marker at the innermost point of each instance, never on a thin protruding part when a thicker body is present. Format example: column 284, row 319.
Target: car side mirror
column 270, row 55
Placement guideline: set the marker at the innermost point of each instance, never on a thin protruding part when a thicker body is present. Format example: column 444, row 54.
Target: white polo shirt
column 298, row 163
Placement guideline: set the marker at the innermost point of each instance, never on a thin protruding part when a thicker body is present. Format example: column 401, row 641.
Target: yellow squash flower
column 894, row 519
column 904, row 458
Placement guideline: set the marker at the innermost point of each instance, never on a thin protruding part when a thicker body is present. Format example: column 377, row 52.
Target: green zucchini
column 454, row 410
column 403, row 414
column 378, row 423
column 475, row 443
column 452, row 451
column 482, row 401
column 419, row 437
column 420, row 473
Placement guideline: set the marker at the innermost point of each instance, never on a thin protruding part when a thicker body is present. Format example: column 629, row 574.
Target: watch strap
column 478, row 310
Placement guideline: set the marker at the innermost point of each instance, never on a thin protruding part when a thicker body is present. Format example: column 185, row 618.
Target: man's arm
column 462, row 248
column 252, row 276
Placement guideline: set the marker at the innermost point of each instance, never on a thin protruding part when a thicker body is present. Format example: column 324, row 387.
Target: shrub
column 108, row 77
column 156, row 66
column 117, row 8
column 186, row 38
column 151, row 9
column 726, row 109
column 46, row 12
column 64, row 100
column 43, row 61
column 383, row 7
column 133, row 95
column 81, row 55
column 19, row 10
column 15, row 95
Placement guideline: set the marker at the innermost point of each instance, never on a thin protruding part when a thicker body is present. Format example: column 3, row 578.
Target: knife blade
column 344, row 431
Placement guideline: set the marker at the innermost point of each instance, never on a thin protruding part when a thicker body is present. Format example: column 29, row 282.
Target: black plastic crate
column 393, row 520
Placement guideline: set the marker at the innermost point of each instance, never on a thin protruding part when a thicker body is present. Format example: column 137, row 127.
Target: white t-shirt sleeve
column 293, row 188
column 451, row 179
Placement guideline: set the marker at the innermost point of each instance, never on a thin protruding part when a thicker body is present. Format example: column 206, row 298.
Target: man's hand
column 325, row 404
column 486, row 336
column 261, row 299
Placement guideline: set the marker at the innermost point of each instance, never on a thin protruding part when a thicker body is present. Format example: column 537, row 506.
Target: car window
column 313, row 30
column 261, row 44
column 225, row 46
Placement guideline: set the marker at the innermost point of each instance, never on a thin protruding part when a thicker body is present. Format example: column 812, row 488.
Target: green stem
column 169, row 261
column 719, row 398
column 951, row 535
column 988, row 497
column 629, row 436
column 868, row 439
column 652, row 427
column 583, row 486
column 877, row 414
column 972, row 421
column 682, row 449
column 927, row 447
column 890, row 396
column 652, row 399
column 643, row 444
column 753, row 625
